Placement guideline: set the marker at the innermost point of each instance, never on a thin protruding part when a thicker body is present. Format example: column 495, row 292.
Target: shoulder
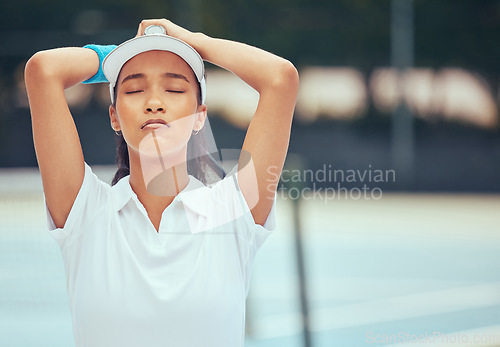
column 93, row 197
column 221, row 203
column 93, row 189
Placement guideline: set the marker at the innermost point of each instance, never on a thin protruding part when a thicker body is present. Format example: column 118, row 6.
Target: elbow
column 37, row 67
column 33, row 65
column 286, row 77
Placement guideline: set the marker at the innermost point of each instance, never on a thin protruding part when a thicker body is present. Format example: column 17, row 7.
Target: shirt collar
column 194, row 196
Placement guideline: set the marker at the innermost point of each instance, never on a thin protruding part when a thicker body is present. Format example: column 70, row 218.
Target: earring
column 196, row 132
column 118, row 132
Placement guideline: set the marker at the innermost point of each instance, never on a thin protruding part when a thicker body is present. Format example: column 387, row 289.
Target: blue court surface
column 404, row 270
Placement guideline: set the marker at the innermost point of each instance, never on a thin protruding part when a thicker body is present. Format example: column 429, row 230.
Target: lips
column 154, row 124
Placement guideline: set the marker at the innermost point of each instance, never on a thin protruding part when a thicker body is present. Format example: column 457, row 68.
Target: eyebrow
column 175, row 75
column 133, row 76
column 166, row 75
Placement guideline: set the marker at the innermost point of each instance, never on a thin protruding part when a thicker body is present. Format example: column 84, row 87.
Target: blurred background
column 399, row 99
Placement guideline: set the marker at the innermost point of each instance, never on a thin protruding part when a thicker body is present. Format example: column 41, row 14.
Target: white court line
column 485, row 336
column 383, row 310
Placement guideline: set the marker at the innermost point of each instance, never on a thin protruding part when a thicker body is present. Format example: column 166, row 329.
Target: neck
column 156, row 180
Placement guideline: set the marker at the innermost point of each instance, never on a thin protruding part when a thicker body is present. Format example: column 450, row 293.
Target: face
column 157, row 103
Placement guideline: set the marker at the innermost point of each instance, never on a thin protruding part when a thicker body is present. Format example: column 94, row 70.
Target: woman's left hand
column 171, row 28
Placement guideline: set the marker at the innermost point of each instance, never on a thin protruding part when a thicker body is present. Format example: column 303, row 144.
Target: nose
column 154, row 104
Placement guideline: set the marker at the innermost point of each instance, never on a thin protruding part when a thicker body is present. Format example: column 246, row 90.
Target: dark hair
column 122, row 160
column 198, row 166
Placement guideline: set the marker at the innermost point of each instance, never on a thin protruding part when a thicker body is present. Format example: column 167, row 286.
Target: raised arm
column 57, row 145
column 276, row 80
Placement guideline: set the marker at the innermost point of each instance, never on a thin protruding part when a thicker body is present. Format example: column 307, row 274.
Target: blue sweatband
column 102, row 51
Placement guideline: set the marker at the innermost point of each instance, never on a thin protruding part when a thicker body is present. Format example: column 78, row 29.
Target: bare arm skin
column 268, row 136
column 57, row 145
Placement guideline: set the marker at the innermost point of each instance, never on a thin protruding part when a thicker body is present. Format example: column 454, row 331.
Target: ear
column 201, row 115
column 113, row 117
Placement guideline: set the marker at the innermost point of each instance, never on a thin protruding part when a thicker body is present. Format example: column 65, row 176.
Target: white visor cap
column 113, row 63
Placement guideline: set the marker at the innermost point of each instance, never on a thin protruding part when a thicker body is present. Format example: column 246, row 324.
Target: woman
column 163, row 264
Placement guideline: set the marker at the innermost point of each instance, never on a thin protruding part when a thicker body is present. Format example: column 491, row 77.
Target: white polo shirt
column 184, row 286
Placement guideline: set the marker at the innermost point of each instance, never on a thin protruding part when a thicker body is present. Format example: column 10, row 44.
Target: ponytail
column 122, row 160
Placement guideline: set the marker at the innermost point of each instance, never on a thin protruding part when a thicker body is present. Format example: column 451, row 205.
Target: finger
column 139, row 30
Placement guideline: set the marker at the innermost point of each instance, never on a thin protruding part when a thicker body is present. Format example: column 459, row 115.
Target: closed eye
column 175, row 91
column 134, row 91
